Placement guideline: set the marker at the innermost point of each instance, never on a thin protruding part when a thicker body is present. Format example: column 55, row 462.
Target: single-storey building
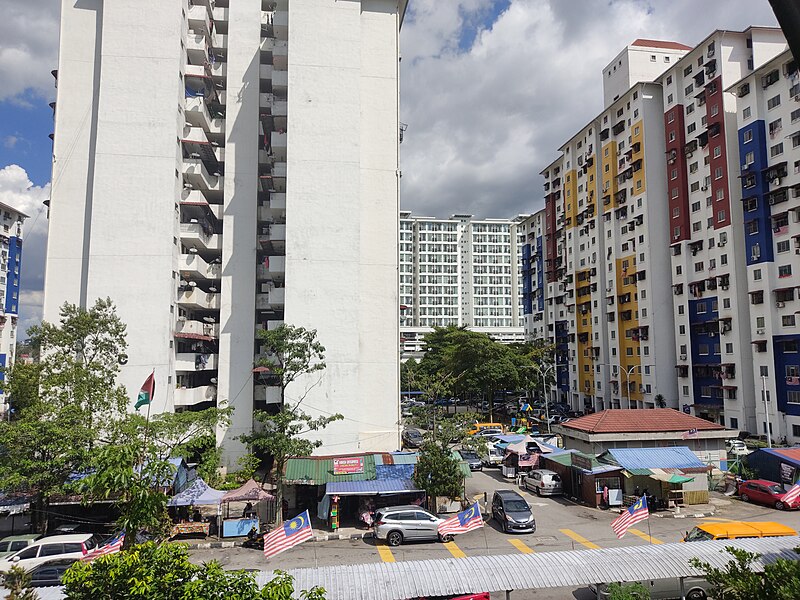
column 776, row 464
column 584, row 478
column 647, row 428
column 673, row 475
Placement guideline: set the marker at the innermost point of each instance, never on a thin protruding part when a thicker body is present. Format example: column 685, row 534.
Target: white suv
column 75, row 545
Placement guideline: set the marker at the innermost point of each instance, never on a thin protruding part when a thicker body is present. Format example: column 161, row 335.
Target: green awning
column 319, row 471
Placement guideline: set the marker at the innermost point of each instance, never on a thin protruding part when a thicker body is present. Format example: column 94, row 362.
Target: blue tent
column 197, row 494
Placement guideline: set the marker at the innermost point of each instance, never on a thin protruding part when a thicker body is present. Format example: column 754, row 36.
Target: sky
column 489, row 90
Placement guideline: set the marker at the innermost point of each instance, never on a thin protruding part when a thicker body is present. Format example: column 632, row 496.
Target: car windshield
column 776, row 489
column 555, row 478
column 468, row 455
column 698, row 535
column 516, row 506
column 3, row 546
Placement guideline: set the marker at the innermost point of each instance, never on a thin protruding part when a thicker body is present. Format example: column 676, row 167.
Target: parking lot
column 561, row 525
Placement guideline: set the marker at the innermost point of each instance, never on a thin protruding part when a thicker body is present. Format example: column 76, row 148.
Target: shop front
column 585, row 479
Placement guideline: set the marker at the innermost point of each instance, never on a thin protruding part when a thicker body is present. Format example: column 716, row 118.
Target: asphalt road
column 561, row 525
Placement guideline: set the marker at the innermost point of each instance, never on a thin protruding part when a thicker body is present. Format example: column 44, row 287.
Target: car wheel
column 446, row 538
column 745, row 498
column 696, row 595
column 779, row 505
column 538, row 492
column 395, row 538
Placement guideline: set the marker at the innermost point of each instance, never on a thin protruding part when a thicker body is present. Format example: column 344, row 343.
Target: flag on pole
column 792, row 495
column 692, row 433
column 465, row 521
column 147, row 391
column 636, row 513
column 112, row 546
column 290, row 534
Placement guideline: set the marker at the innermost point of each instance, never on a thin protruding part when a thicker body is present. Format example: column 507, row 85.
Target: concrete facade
column 185, row 191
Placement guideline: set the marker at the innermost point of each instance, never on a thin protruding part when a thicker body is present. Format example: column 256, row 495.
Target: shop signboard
column 348, row 466
column 581, row 461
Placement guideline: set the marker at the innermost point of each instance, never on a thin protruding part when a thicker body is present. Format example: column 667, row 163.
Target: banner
column 348, row 466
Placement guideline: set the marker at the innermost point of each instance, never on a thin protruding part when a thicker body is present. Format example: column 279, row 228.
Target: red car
column 765, row 492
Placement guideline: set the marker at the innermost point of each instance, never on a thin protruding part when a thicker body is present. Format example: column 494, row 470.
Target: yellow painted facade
column 608, row 169
column 570, row 198
column 583, row 328
column 627, row 301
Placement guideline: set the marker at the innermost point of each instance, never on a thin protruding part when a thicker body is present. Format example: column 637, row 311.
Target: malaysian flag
column 290, row 534
column 465, row 521
column 636, row 513
column 792, row 495
column 110, row 547
column 692, row 433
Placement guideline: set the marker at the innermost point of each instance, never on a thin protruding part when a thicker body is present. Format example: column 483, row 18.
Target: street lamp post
column 545, row 395
column 766, row 408
column 628, row 380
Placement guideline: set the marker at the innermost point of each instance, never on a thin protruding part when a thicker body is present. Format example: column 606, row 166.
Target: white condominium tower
column 223, row 167
column 460, row 271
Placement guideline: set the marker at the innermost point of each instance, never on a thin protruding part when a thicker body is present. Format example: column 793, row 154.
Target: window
column 669, row 78
column 757, row 275
column 788, row 320
column 671, row 136
column 783, row 246
column 734, row 423
column 747, row 136
column 717, row 151
column 749, row 158
column 720, row 216
column 773, row 102
column 776, row 150
column 687, row 70
column 691, row 128
column 795, row 115
column 652, row 58
column 694, row 187
column 746, row 113
column 670, row 116
column 701, row 308
column 51, row 549
column 785, row 271
column 689, row 89
column 690, row 109
column 673, row 174
column 695, row 206
column 669, row 99
column 718, row 173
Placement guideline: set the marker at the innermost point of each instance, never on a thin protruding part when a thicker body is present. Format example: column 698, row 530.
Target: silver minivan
column 397, row 524
column 543, row 482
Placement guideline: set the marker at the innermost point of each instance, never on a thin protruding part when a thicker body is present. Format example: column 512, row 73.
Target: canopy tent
column 197, row 494
column 249, row 492
column 522, row 447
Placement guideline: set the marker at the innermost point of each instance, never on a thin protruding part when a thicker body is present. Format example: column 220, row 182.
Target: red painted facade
column 677, row 174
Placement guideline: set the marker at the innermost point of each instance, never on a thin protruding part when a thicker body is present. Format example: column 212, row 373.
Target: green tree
column 291, row 353
column 21, row 386
column 18, row 583
column 739, row 580
column 164, row 572
column 628, row 591
column 52, row 437
column 438, row 472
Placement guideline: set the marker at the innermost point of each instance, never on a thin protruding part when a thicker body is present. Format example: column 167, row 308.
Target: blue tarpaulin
column 370, row 488
column 394, row 471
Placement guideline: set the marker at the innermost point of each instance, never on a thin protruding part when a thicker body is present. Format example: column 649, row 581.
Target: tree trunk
column 40, row 513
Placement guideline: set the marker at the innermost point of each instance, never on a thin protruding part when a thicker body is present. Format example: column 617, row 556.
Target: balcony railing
column 274, row 266
column 274, row 298
column 195, row 265
column 193, row 236
column 196, row 361
column 199, row 300
column 191, row 396
column 196, row 328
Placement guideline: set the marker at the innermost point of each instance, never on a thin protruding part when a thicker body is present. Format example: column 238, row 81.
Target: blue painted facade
column 3, row 362
column 539, row 258
column 762, row 239
column 527, row 281
column 12, row 275
column 784, row 361
column 704, row 331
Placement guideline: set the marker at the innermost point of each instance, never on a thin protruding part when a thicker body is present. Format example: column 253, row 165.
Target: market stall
column 250, row 493
column 197, row 494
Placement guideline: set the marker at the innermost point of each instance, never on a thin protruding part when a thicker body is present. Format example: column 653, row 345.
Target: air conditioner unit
column 759, row 331
column 721, row 244
column 780, row 304
column 683, row 357
column 725, row 287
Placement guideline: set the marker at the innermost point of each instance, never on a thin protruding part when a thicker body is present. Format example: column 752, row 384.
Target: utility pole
column 764, row 395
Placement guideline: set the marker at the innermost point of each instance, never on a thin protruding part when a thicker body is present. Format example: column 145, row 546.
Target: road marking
column 454, row 550
column 718, row 519
column 579, row 538
column 521, row 546
column 385, row 552
column 645, row 537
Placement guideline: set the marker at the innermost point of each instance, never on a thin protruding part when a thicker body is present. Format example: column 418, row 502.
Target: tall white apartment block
column 706, row 234
column 463, row 272
column 767, row 105
column 221, row 167
column 11, row 222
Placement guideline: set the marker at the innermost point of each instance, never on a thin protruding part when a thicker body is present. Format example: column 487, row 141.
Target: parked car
column 13, row 543
column 397, row 524
column 731, row 530
column 544, row 482
column 769, row 493
column 472, row 459
column 512, row 512
column 50, row 572
column 493, row 457
column 694, row 588
column 412, row 438
column 489, row 432
column 736, row 447
column 74, row 545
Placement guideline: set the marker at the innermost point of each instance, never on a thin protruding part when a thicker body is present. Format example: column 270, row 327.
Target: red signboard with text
column 348, row 466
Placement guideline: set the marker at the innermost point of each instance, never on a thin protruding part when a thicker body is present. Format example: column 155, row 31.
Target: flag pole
column 147, row 419
column 649, row 535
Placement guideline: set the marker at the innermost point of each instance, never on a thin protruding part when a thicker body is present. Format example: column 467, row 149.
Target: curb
column 323, row 537
column 681, row 516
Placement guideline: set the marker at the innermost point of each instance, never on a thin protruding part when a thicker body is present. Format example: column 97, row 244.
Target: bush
column 163, row 572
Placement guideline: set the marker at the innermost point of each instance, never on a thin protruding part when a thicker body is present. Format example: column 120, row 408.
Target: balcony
column 267, row 393
column 274, row 210
column 193, row 266
column 273, row 299
column 191, row 396
column 196, row 361
column 280, row 81
column 195, row 173
column 270, row 325
column 198, row 330
column 272, row 267
column 280, row 55
column 272, row 234
column 220, row 14
column 197, row 114
column 280, row 24
column 199, row 18
column 193, row 236
column 265, row 72
column 196, row 49
column 197, row 299
column 196, row 198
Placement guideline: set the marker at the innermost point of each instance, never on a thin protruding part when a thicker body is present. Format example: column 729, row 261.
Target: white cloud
column 482, row 122
column 10, row 141
column 28, row 48
column 17, row 191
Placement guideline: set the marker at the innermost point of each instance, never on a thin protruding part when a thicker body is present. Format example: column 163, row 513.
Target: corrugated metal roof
column 676, row 457
column 565, row 458
column 402, row 580
column 404, row 458
column 319, row 470
column 791, row 454
column 378, row 486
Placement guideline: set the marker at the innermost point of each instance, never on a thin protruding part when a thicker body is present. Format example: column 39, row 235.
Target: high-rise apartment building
column 11, row 222
column 205, row 154
column 460, row 271
column 706, row 237
column 767, row 104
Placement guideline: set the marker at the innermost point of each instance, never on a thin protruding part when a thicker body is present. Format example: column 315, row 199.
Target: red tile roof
column 640, row 421
column 660, row 44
